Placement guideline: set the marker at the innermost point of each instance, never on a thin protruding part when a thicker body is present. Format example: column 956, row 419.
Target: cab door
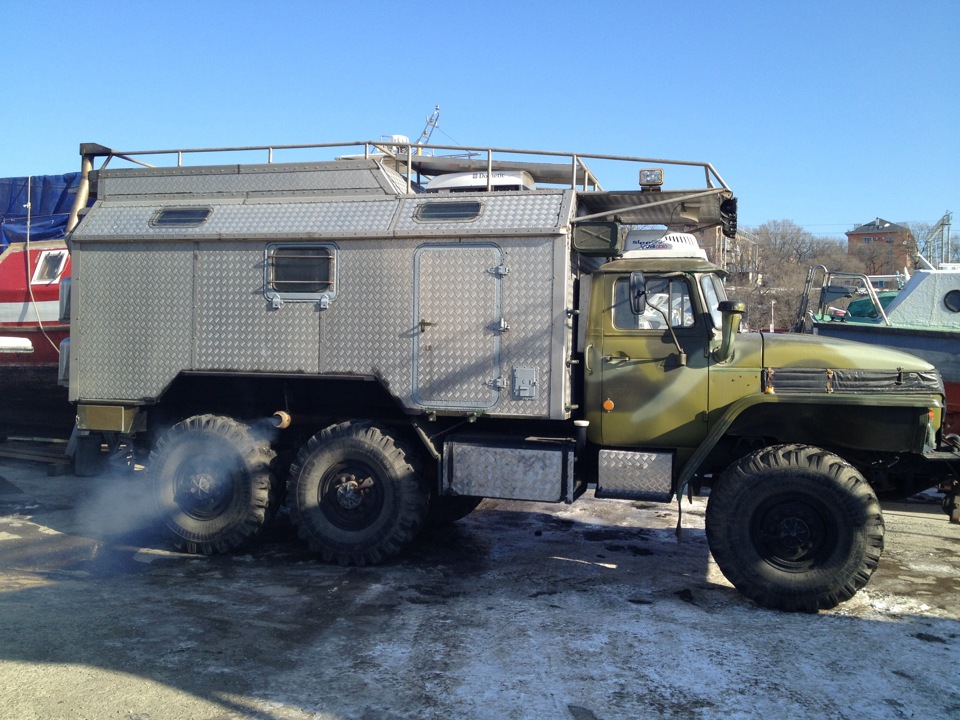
column 648, row 395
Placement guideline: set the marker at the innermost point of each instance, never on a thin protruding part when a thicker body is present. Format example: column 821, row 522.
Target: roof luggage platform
column 407, row 169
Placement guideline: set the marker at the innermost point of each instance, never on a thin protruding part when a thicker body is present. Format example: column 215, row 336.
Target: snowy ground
column 590, row 611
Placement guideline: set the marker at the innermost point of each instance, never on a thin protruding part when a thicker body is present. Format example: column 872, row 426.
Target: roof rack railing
column 546, row 167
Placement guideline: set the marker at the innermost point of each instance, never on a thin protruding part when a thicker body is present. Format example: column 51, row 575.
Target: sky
column 827, row 114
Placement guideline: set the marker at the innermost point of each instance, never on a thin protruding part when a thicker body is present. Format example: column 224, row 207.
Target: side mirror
column 598, row 239
column 638, row 293
column 728, row 217
column 731, row 312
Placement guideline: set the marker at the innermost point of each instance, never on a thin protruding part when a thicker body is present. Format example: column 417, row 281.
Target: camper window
column 304, row 272
column 181, row 217
column 460, row 211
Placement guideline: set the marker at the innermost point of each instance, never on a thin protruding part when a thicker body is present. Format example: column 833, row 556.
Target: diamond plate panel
column 369, row 328
column 631, row 475
column 144, row 300
column 135, row 310
column 457, row 312
column 236, row 327
column 537, row 324
column 516, row 211
column 234, row 180
column 540, row 471
column 244, row 220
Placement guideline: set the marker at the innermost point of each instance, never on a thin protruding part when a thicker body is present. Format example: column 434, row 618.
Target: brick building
column 884, row 247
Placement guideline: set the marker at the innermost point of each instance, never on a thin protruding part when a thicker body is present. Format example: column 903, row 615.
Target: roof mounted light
column 651, row 178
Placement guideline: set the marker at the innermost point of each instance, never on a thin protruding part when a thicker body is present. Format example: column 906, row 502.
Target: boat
column 918, row 313
column 33, row 260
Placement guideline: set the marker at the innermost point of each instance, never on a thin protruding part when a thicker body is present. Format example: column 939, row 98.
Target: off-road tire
column 212, row 484
column 795, row 528
column 355, row 495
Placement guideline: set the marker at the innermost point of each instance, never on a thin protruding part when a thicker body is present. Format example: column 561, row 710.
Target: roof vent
column 477, row 181
column 659, row 244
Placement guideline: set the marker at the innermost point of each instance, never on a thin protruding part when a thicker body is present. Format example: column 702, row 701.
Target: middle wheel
column 355, row 495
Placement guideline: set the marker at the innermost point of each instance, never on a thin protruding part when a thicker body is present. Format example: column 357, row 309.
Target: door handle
column 586, row 358
column 424, row 324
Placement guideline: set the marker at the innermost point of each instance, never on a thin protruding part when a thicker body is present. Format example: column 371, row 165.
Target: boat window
column 669, row 295
column 300, row 272
column 181, row 216
column 952, row 300
column 50, row 266
column 449, row 211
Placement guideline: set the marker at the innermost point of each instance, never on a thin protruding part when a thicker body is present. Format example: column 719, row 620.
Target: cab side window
column 668, row 300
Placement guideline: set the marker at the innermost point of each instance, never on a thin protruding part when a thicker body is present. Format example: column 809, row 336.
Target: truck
column 381, row 335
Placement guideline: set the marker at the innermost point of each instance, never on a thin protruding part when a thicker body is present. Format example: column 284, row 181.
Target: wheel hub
column 794, row 535
column 350, row 491
column 203, row 492
column 791, row 533
column 201, row 486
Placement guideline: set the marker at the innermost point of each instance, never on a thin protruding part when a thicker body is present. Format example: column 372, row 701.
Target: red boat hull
column 31, row 399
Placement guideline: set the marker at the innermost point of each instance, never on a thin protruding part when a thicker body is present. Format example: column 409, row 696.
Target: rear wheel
column 212, row 483
column 794, row 527
column 354, row 494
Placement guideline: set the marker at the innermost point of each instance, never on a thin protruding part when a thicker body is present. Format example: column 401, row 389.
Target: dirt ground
column 592, row 611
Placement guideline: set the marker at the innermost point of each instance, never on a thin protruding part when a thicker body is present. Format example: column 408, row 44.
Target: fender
column 930, row 419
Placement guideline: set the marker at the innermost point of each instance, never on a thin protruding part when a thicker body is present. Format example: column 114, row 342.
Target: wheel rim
column 204, row 487
column 350, row 496
column 793, row 533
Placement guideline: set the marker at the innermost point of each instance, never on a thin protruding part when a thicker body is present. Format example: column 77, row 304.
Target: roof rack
column 415, row 162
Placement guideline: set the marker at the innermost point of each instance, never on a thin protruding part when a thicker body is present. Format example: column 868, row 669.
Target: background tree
column 783, row 254
column 921, row 235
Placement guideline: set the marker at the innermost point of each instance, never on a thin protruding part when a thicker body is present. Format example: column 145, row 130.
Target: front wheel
column 354, row 494
column 795, row 528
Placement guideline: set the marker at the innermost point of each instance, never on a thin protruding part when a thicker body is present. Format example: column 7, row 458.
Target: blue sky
column 827, row 114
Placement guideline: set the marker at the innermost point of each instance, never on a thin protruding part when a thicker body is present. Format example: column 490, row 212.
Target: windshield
column 713, row 295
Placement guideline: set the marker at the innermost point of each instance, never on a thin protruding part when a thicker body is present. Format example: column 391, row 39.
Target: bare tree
column 784, row 254
column 921, row 233
column 874, row 257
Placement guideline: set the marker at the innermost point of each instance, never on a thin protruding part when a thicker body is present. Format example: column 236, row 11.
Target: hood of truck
column 794, row 350
column 813, row 364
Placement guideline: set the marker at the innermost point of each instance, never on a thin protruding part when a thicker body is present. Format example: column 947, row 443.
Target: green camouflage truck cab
column 382, row 339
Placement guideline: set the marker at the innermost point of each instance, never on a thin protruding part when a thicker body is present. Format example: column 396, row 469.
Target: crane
column 428, row 129
column 939, row 239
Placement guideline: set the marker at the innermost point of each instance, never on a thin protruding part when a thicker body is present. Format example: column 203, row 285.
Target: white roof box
column 660, row 243
column 477, row 181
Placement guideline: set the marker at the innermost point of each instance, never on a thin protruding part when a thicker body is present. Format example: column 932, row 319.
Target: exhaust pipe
column 281, row 419
column 580, row 434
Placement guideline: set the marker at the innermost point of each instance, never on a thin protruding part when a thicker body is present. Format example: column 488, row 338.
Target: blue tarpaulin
column 51, row 197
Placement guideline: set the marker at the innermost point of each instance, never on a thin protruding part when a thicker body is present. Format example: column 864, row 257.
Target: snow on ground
column 592, row 611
